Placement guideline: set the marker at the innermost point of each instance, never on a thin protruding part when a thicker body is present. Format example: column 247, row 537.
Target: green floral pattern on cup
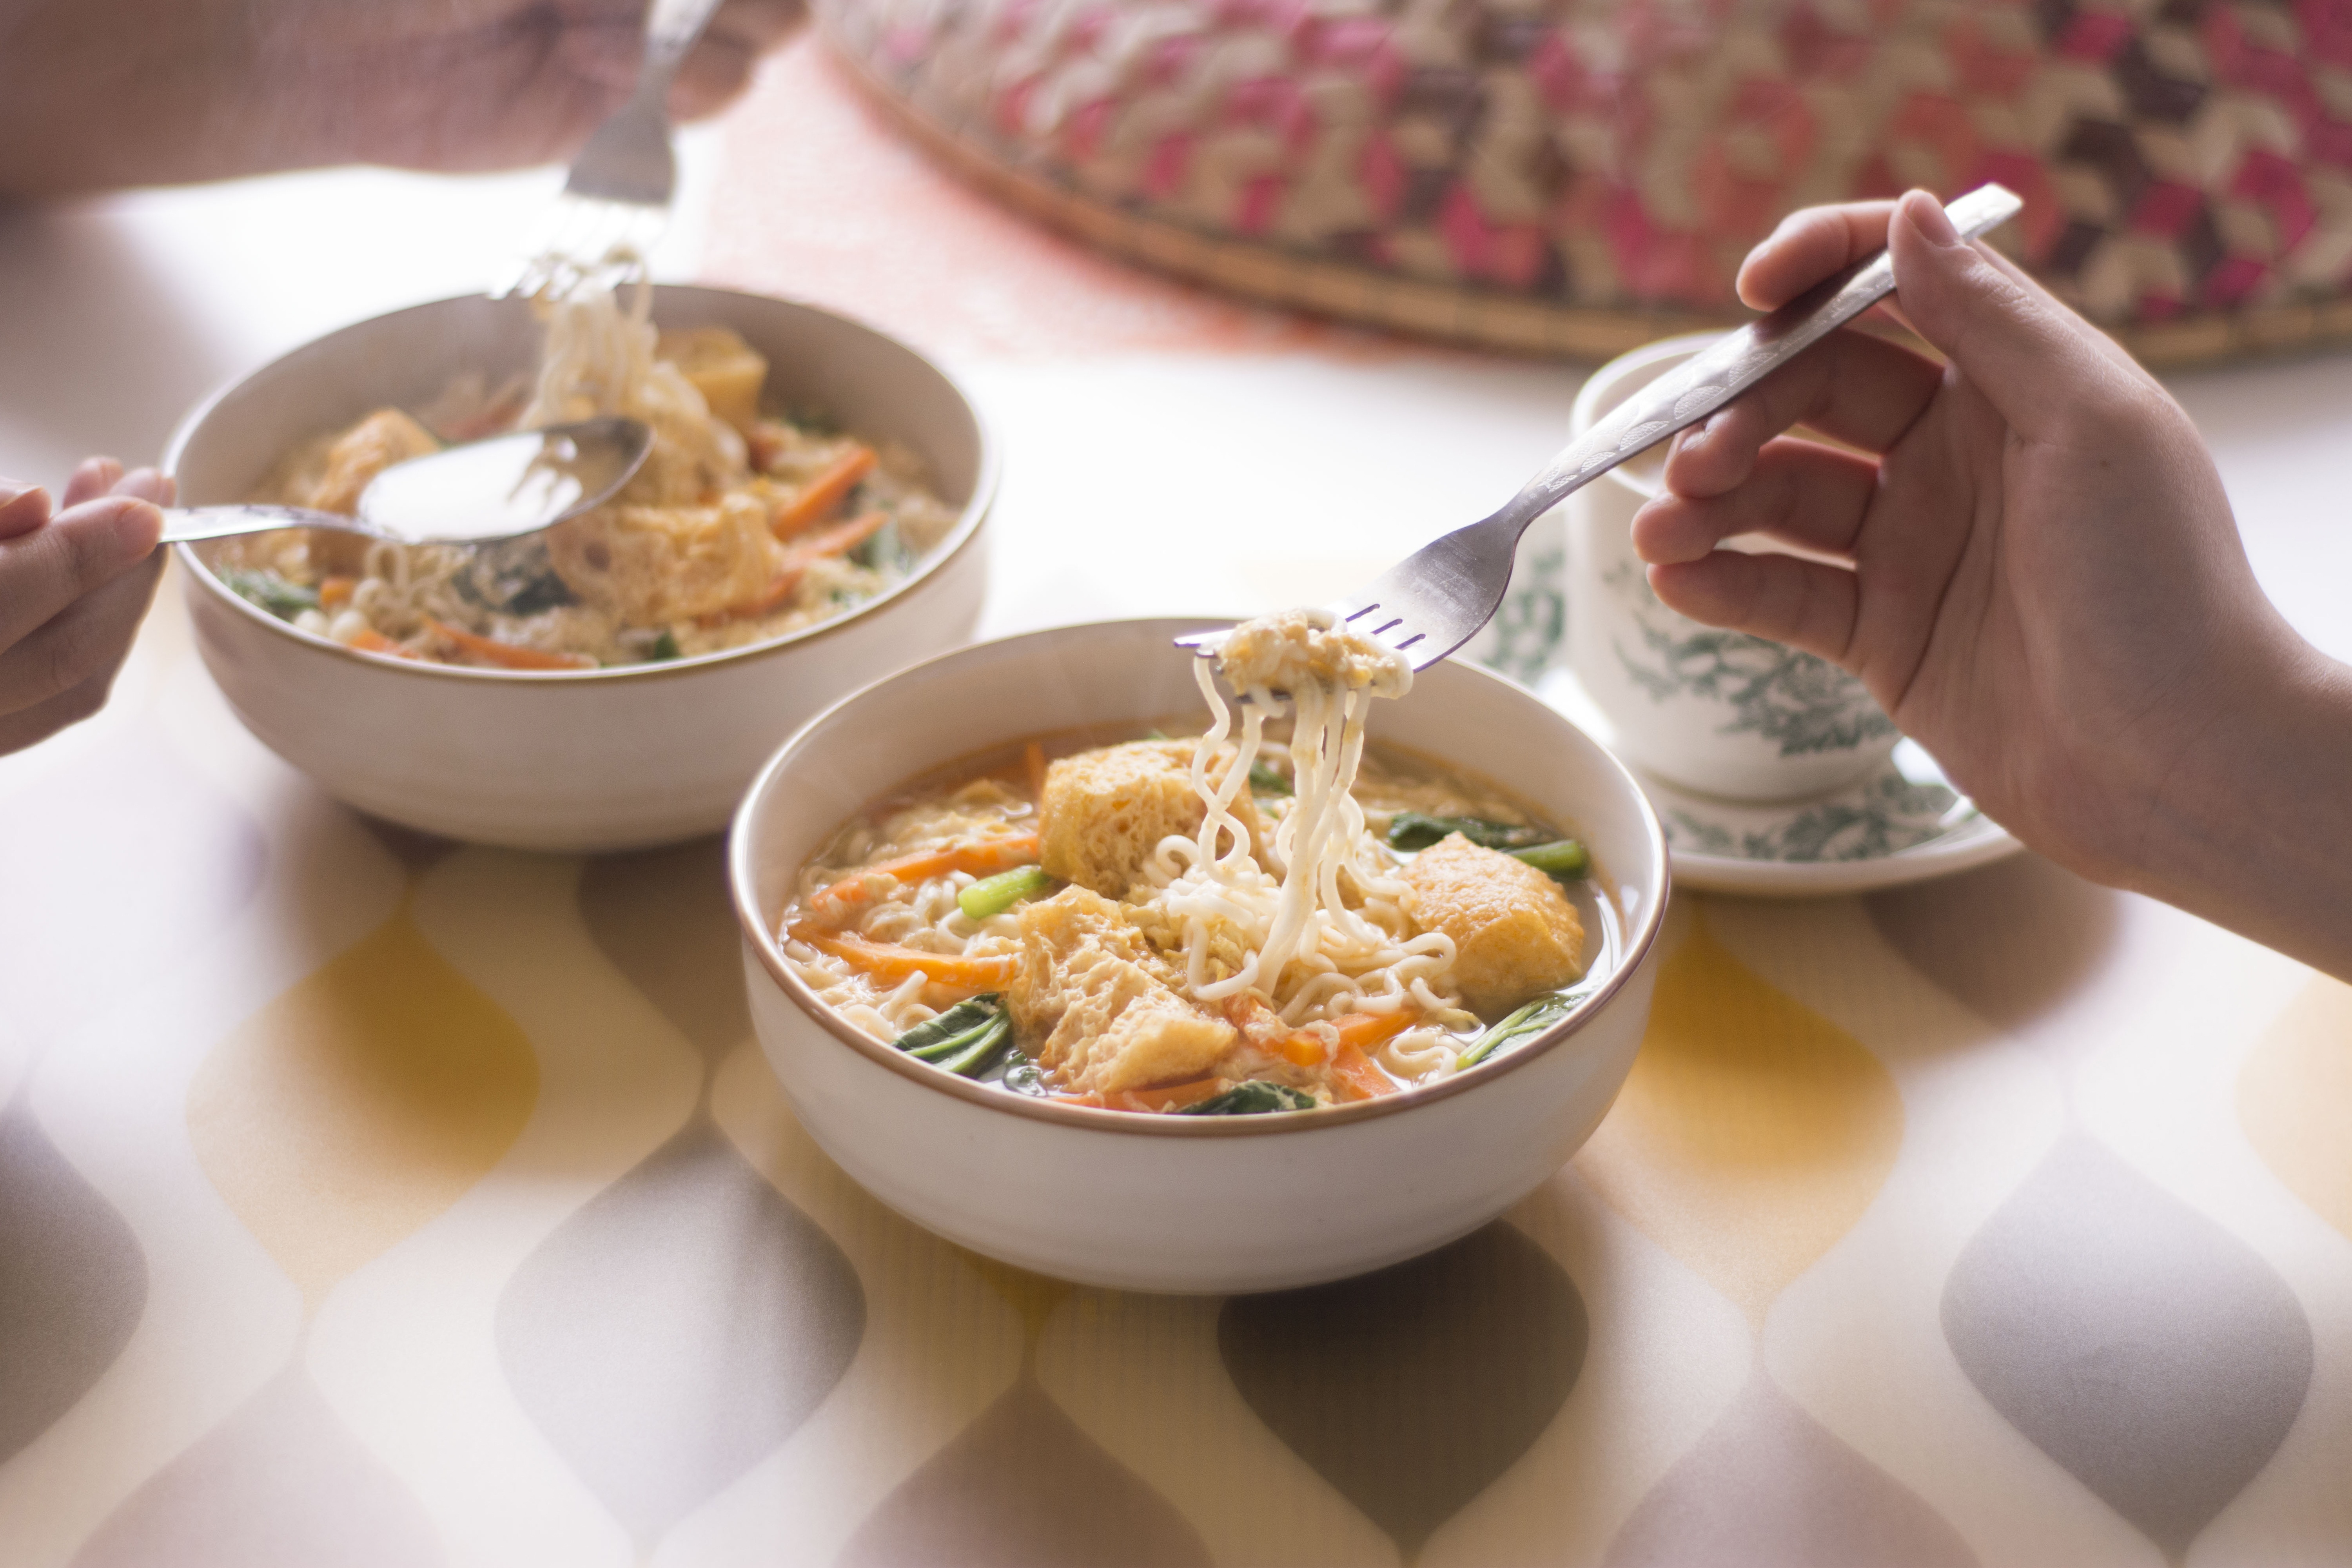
column 1523, row 638
column 1797, row 701
column 1885, row 816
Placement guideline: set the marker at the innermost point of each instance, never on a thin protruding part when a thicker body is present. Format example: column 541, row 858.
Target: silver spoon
column 1435, row 599
column 498, row 488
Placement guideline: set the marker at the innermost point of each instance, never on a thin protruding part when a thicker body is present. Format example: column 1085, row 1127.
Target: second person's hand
column 102, row 93
column 74, row 582
column 2040, row 580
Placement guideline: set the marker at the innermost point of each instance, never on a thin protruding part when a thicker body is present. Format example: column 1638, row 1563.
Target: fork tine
column 618, row 190
column 582, row 231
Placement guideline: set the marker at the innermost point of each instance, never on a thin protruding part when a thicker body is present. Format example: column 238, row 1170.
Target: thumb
column 2023, row 350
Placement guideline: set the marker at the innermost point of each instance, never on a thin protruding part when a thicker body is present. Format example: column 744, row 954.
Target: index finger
column 1811, row 244
column 1851, row 387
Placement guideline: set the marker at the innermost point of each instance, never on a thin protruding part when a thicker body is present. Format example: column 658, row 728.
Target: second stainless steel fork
column 617, row 196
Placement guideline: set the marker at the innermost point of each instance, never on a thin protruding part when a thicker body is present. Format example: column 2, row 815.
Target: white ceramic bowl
column 575, row 761
column 1180, row 1203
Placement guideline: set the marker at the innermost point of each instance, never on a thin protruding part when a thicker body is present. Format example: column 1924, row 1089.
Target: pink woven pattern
column 2177, row 157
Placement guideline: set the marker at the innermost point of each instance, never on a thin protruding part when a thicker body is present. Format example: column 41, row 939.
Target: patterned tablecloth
column 370, row 1200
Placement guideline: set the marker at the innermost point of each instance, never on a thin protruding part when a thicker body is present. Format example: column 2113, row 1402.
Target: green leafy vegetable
column 1264, row 780
column 953, row 1030
column 1255, row 1097
column 884, row 549
column 664, row 647
column 272, row 592
column 544, row 592
column 964, row 1039
column 987, row 1044
column 1413, row 830
column 1532, row 1020
column 515, row 578
column 1564, row 861
column 995, row 895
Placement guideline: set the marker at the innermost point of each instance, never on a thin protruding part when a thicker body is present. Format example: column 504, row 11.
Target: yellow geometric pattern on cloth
column 2295, row 1098
column 1033, row 1296
column 360, row 1104
column 1752, row 1132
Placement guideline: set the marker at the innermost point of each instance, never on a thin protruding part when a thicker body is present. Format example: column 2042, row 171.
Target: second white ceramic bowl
column 1170, row 1203
column 575, row 761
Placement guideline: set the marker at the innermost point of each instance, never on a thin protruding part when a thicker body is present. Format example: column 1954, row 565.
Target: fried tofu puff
column 1098, row 1006
column 1515, row 933
column 1105, row 811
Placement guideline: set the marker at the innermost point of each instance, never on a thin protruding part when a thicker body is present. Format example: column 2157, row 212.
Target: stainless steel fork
column 617, row 196
column 1435, row 599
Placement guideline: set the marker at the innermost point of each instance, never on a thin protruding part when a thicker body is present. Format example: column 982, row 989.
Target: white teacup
column 1712, row 711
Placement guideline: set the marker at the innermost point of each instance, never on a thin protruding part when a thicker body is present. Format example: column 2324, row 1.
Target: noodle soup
column 745, row 524
column 1259, row 916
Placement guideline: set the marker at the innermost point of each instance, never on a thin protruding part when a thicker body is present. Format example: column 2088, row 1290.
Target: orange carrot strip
column 506, row 654
column 1032, row 756
column 370, row 640
column 334, row 592
column 1173, row 1097
column 1362, row 1030
column 798, row 558
column 977, row 856
column 886, row 961
column 1357, row 1076
column 827, row 490
column 839, row 539
column 1365, row 1030
column 1305, row 1050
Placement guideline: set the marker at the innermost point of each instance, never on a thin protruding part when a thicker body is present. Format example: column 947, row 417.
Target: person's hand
column 103, row 93
column 2038, row 577
column 72, row 589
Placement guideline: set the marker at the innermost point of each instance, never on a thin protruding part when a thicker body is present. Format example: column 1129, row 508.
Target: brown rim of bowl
column 975, row 513
column 752, row 926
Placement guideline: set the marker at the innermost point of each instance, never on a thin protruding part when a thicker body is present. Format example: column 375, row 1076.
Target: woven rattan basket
column 1580, row 176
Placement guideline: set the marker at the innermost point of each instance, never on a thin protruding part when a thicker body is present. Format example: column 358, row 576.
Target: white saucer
column 1901, row 823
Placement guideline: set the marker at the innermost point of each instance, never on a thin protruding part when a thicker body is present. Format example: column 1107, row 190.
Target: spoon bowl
column 477, row 492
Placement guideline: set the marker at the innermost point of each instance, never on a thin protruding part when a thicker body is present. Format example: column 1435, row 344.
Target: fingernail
column 138, row 525
column 23, row 508
column 1927, row 215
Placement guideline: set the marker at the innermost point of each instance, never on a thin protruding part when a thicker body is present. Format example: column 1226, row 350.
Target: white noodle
column 1306, row 954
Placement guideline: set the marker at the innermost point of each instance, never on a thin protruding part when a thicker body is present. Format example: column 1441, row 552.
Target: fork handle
column 672, row 28
column 188, row 526
column 1734, row 364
